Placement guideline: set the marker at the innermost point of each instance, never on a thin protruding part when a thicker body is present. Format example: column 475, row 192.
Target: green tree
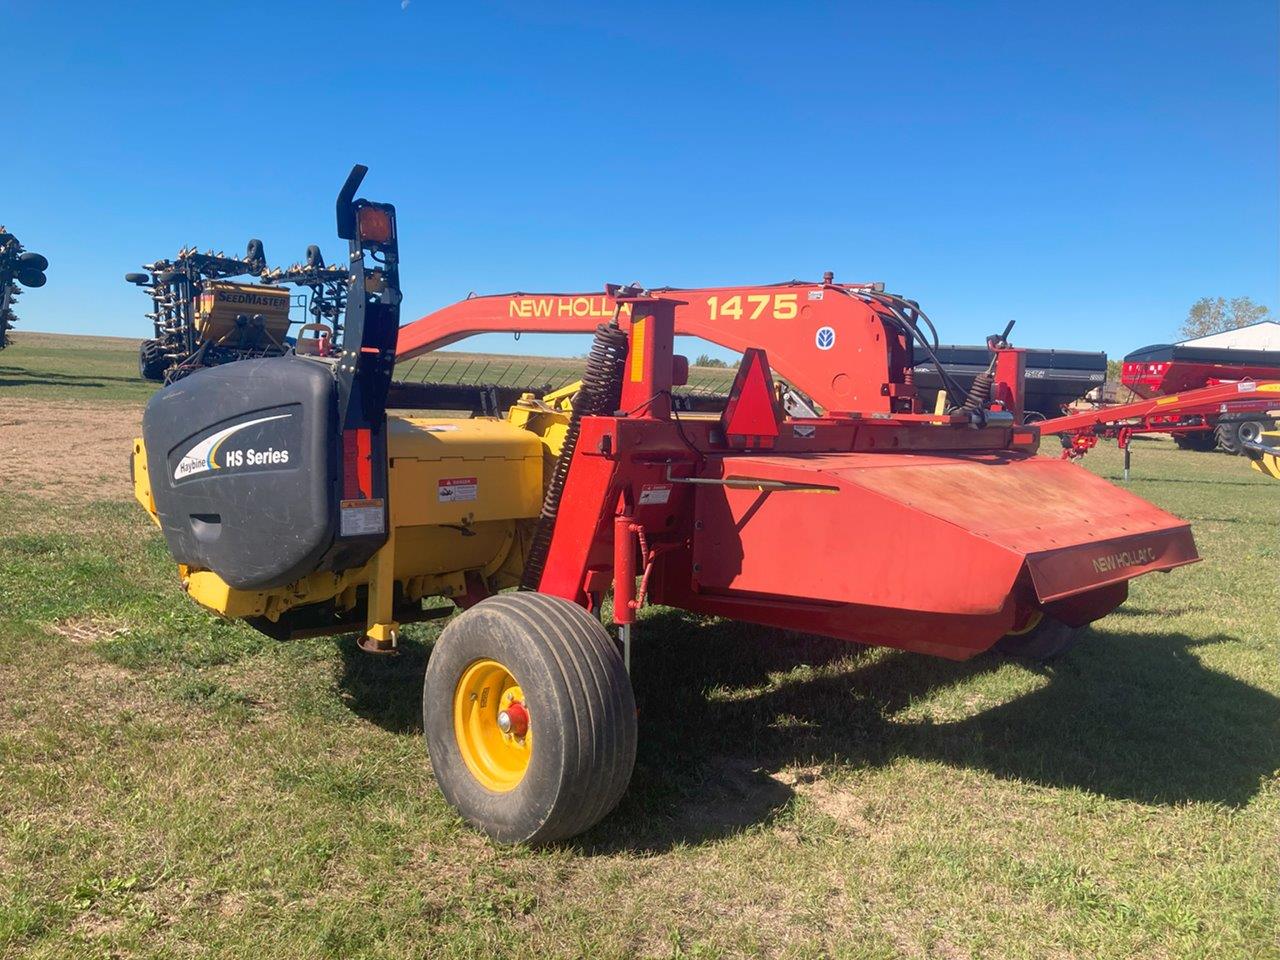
column 706, row 360
column 1215, row 314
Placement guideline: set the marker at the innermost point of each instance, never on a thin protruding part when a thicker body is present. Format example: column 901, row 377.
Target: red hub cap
column 514, row 720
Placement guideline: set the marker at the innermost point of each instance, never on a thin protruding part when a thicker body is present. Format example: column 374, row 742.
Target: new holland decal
column 1110, row 562
column 203, row 457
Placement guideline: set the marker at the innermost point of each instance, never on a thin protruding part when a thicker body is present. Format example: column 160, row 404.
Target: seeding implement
column 207, row 310
column 18, row 267
column 292, row 499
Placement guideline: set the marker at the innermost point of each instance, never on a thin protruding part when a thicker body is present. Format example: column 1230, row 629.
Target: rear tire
column 1042, row 639
column 557, row 663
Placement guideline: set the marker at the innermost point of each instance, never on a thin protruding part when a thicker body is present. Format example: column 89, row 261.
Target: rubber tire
column 1047, row 640
column 151, row 362
column 1228, row 435
column 581, row 706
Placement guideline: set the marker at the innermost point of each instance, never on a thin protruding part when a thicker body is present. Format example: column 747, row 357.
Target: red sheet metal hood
column 937, row 533
column 1076, row 531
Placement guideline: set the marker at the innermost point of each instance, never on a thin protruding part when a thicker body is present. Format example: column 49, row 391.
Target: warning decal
column 652, row 493
column 359, row 518
column 455, row 489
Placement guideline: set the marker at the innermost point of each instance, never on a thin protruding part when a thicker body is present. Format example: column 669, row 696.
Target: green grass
column 51, row 366
column 174, row 785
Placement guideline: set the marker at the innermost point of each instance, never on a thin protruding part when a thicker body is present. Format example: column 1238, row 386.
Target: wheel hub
column 514, row 720
column 491, row 725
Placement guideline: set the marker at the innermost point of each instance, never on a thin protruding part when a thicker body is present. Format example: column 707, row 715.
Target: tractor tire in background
column 1231, row 434
column 1041, row 638
column 529, row 718
column 152, row 362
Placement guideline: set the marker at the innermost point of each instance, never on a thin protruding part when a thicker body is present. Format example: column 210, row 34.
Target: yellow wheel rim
column 492, row 726
column 1033, row 621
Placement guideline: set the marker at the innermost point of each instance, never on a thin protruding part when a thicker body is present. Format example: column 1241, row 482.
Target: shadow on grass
column 24, row 377
column 1118, row 478
column 386, row 691
column 1128, row 717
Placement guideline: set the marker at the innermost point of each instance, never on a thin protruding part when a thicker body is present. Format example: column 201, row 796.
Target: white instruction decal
column 358, row 518
column 652, row 493
column 815, row 294
column 456, row 489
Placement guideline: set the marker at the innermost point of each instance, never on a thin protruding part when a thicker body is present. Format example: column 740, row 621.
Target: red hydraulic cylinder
column 624, row 570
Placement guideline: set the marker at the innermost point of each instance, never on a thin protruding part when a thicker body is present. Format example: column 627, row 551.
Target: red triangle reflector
column 750, row 418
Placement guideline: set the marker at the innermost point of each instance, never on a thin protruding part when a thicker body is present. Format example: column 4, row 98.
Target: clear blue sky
column 1088, row 169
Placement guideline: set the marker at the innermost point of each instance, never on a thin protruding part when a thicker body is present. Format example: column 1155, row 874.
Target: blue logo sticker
column 825, row 338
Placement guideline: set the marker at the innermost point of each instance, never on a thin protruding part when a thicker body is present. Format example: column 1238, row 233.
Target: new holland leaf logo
column 825, row 338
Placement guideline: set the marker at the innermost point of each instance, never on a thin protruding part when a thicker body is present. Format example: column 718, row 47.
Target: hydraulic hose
column 907, row 316
column 601, row 393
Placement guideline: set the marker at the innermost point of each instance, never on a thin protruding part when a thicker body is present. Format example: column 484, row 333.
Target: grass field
column 48, row 365
column 174, row 785
column 53, row 366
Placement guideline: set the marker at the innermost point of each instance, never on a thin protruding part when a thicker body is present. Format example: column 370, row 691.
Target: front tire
column 529, row 717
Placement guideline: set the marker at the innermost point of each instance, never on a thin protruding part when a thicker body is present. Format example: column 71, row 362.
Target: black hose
column 600, row 394
column 907, row 315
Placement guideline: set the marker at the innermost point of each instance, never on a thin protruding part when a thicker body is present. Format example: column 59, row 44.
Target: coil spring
column 601, row 392
column 980, row 392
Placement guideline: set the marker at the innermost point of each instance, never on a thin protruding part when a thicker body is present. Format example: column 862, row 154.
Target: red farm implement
column 874, row 521
column 1165, row 370
column 1179, row 414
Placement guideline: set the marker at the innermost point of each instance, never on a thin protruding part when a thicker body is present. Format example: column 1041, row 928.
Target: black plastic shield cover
column 244, row 465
